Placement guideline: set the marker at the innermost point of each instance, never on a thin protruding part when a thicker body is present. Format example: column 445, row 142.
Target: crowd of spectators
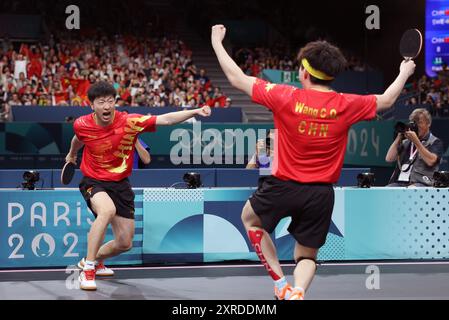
column 153, row 72
column 254, row 60
column 430, row 93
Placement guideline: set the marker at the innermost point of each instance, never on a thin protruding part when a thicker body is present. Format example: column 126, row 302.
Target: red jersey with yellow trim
column 312, row 129
column 109, row 151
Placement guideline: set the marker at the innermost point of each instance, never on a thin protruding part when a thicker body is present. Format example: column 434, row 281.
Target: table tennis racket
column 67, row 173
column 411, row 44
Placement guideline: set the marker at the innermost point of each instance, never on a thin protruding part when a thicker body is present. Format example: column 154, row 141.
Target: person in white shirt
column 20, row 65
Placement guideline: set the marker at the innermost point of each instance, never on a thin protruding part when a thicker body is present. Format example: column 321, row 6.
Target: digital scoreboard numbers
column 437, row 36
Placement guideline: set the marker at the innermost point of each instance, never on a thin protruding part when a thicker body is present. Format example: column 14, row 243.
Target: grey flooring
column 421, row 281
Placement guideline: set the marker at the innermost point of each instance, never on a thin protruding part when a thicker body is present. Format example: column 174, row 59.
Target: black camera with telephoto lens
column 441, row 179
column 402, row 127
column 30, row 178
column 193, row 180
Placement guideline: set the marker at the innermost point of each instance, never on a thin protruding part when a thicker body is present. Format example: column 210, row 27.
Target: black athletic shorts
column 120, row 192
column 309, row 205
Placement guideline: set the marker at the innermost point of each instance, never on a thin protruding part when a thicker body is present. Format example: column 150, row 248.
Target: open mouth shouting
column 106, row 116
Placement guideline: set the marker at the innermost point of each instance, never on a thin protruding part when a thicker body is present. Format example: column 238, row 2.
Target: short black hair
column 101, row 89
column 324, row 57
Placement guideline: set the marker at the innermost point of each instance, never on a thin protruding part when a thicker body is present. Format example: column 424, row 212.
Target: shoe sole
column 104, row 275
column 88, row 288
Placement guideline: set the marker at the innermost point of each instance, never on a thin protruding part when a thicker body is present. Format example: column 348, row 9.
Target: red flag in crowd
column 34, row 68
column 24, row 50
column 80, row 88
column 221, row 101
column 61, row 96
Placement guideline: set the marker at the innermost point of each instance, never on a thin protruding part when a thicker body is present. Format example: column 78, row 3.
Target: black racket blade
column 411, row 44
column 67, row 173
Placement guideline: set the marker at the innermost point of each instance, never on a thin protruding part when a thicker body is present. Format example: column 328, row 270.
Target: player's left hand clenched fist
column 205, row 111
column 218, row 33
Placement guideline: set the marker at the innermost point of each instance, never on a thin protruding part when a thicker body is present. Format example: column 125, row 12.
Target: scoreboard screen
column 436, row 36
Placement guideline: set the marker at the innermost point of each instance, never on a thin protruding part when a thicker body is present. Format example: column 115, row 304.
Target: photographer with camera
column 417, row 152
column 263, row 156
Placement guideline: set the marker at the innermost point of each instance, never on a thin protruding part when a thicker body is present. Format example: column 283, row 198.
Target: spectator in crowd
column 412, row 102
column 15, row 101
column 228, row 103
column 20, row 66
column 202, row 77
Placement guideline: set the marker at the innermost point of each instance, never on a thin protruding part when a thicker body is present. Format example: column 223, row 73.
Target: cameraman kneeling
column 417, row 152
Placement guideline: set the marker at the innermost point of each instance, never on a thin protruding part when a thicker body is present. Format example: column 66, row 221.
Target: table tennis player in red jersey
column 108, row 137
column 311, row 134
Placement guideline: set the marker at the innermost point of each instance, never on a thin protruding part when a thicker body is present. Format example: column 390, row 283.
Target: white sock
column 89, row 265
column 300, row 289
column 281, row 283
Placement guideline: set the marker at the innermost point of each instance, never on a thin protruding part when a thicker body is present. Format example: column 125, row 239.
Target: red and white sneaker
column 288, row 293
column 87, row 280
column 103, row 271
column 296, row 294
column 284, row 293
column 100, row 269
